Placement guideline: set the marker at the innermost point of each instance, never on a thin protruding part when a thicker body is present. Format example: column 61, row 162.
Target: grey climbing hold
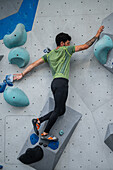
column 54, row 150
column 19, row 56
column 102, row 47
column 15, row 97
column 1, row 56
column 109, row 136
column 17, row 38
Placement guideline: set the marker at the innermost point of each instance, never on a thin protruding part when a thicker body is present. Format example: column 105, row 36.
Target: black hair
column 62, row 37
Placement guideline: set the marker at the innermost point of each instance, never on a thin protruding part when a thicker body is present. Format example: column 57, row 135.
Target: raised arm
column 90, row 42
column 28, row 69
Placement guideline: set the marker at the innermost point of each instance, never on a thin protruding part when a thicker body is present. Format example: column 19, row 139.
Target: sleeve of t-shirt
column 44, row 58
column 71, row 49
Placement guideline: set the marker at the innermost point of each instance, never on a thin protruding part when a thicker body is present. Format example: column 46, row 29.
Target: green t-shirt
column 59, row 61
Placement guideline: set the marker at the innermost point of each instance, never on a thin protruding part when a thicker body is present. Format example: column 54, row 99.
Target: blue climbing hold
column 1, row 166
column 47, row 50
column 53, row 145
column 2, row 86
column 15, row 97
column 102, row 47
column 19, row 56
column 34, row 139
column 9, row 79
column 17, row 38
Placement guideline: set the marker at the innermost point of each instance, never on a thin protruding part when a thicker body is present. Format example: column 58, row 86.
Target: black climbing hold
column 40, row 143
column 32, row 155
column 45, row 145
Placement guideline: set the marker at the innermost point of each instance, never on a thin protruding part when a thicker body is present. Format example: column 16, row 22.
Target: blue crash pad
column 17, row 38
column 102, row 47
column 15, row 97
column 19, row 56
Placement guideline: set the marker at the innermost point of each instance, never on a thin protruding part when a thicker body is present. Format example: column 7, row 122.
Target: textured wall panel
column 90, row 86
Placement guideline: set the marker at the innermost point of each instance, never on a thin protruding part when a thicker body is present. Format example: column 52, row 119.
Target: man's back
column 59, row 61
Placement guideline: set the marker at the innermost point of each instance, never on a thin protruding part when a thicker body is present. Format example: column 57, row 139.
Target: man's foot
column 36, row 125
column 49, row 137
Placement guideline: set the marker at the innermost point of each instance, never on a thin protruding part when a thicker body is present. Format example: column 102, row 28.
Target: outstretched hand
column 99, row 31
column 17, row 76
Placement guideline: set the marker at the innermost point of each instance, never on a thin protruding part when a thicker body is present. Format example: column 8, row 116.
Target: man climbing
column 59, row 62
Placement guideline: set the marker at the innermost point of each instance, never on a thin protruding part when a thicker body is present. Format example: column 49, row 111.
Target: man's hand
column 17, row 76
column 99, row 31
column 90, row 42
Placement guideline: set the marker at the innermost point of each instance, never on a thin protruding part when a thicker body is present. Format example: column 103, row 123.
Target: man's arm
column 28, row 69
column 90, row 42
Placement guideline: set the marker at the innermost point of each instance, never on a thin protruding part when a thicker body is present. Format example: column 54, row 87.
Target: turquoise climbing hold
column 19, row 56
column 102, row 47
column 17, row 38
column 15, row 97
column 61, row 132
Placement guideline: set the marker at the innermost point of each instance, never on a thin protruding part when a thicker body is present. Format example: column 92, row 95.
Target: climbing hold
column 17, row 38
column 44, row 144
column 102, row 47
column 19, row 56
column 47, row 50
column 1, row 166
column 61, row 132
column 15, row 97
column 53, row 145
column 109, row 136
column 34, row 139
column 9, row 79
column 1, row 56
column 40, row 143
column 2, row 86
column 32, row 155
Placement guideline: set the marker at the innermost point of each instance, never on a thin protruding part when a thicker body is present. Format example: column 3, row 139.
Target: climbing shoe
column 36, row 125
column 48, row 137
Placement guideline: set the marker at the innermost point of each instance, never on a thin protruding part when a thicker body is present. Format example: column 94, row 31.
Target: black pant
column 59, row 87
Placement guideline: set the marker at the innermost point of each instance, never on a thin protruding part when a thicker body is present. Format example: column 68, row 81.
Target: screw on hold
column 45, row 145
column 61, row 132
column 40, row 143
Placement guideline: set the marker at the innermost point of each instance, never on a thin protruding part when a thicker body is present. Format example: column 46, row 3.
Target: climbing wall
column 90, row 85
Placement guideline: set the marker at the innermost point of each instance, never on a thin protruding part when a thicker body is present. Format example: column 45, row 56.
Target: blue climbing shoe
column 2, row 86
column 9, row 79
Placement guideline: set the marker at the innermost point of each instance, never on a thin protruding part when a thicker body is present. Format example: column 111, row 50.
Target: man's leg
column 60, row 92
